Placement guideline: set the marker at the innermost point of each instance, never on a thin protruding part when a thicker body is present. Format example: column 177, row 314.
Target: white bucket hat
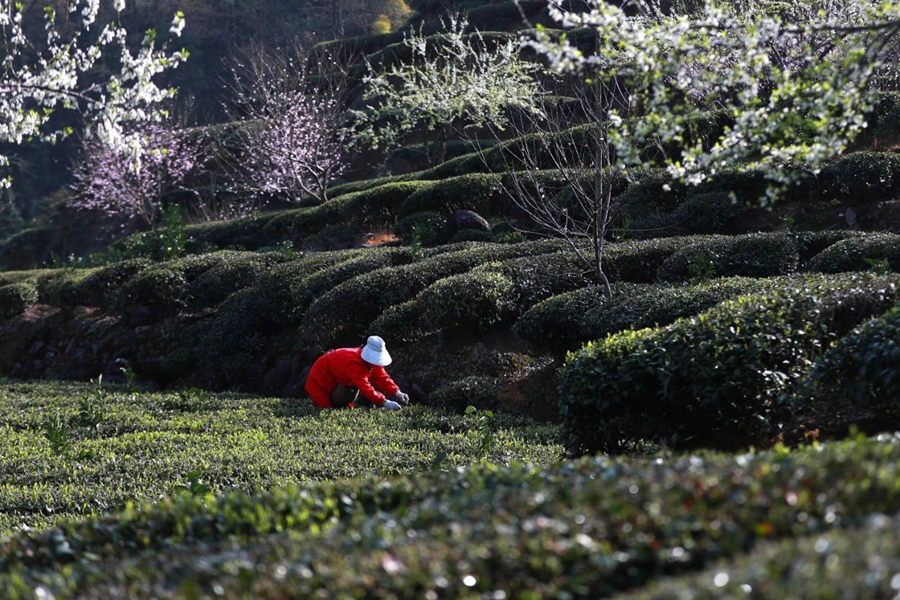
column 374, row 352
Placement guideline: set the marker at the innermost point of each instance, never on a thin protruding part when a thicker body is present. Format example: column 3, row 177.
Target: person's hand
column 402, row 398
column 390, row 405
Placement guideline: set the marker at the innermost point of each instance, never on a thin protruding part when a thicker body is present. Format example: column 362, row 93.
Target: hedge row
column 342, row 315
column 583, row 529
column 862, row 370
column 859, row 253
column 491, row 294
column 718, row 378
column 568, row 320
column 15, row 298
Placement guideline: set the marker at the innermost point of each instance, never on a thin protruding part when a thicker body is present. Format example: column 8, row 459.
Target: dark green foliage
column 857, row 253
column 470, row 235
column 850, row 562
column 474, row 391
column 745, row 186
column 117, row 446
column 813, row 242
column 639, row 261
column 658, row 305
column 332, row 237
column 285, row 287
column 479, row 192
column 543, row 275
column 15, row 298
column 568, row 320
column 588, row 528
column 60, row 286
column 101, row 287
column 750, row 255
column 862, row 369
column 162, row 285
column 468, row 302
column 230, row 343
column 557, row 321
column 472, row 302
column 887, row 117
column 342, row 315
column 645, row 207
column 861, row 177
column 459, row 304
column 712, row 379
column 709, row 212
column 424, row 228
column 231, row 272
column 363, row 185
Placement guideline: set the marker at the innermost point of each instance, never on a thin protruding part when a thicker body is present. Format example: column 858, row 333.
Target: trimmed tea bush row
column 714, row 379
column 343, row 314
column 567, row 320
column 491, row 294
column 861, row 369
column 859, row 253
column 15, row 298
column 581, row 529
column 134, row 447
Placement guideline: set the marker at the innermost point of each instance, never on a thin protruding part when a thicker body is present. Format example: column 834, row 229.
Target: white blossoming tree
column 452, row 79
column 61, row 72
column 792, row 80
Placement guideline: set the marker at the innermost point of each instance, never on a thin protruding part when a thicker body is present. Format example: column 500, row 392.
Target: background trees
column 456, row 79
column 41, row 77
column 789, row 83
column 291, row 106
column 108, row 180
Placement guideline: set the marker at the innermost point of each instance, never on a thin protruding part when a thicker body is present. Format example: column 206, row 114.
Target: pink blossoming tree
column 291, row 105
column 108, row 180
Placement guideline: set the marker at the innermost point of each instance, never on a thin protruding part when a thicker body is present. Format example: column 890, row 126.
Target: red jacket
column 345, row 366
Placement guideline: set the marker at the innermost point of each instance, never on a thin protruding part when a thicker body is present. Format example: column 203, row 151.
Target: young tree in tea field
column 80, row 66
column 291, row 105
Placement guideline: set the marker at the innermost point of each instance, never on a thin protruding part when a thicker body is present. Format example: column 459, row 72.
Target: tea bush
column 858, row 253
column 710, row 212
column 475, row 390
column 285, row 286
column 861, row 177
column 8, row 277
column 424, row 228
column 480, row 192
column 845, row 563
column 568, row 320
column 16, row 298
column 342, row 315
column 638, row 261
column 862, row 369
column 541, row 276
column 586, row 528
column 231, row 272
column 556, row 322
column 468, row 302
column 750, row 255
column 147, row 443
column 658, row 305
column 712, row 380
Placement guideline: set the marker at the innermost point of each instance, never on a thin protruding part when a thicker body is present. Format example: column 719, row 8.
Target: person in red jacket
column 338, row 377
